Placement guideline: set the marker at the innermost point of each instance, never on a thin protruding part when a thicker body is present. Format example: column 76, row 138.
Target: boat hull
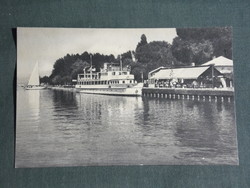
column 132, row 91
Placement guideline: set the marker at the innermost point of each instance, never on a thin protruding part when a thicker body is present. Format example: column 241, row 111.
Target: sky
column 46, row 45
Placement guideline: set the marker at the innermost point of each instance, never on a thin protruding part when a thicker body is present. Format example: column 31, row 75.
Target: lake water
column 64, row 128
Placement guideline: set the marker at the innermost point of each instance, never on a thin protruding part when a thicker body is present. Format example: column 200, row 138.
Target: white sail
column 34, row 78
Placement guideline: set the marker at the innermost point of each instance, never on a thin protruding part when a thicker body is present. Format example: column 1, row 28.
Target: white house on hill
column 222, row 64
column 225, row 66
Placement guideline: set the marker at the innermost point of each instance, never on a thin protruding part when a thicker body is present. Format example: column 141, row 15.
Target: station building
column 217, row 73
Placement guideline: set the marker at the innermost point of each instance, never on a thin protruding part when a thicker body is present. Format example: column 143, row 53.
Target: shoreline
column 62, row 88
column 207, row 92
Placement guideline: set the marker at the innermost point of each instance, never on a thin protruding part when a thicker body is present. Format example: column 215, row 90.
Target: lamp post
column 91, row 66
column 120, row 62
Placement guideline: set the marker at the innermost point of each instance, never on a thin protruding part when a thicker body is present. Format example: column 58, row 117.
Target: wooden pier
column 190, row 93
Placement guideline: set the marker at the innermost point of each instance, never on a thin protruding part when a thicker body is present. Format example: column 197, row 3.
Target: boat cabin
column 109, row 74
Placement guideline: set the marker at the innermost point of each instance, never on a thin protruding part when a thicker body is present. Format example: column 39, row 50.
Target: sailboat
column 34, row 81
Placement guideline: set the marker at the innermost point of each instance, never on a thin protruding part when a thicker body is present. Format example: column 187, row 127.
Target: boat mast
column 91, row 66
column 121, row 62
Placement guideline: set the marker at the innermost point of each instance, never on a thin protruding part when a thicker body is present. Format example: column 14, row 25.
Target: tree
column 154, row 55
column 66, row 80
column 189, row 52
column 57, row 80
column 200, row 45
column 45, row 80
column 142, row 42
column 138, row 70
column 78, row 68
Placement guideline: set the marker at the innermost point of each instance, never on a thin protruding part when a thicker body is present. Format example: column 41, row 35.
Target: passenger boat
column 34, row 81
column 111, row 80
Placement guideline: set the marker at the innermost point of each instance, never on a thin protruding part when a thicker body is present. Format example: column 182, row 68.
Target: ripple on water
column 57, row 128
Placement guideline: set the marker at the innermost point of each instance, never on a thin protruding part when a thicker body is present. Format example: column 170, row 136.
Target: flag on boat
column 133, row 57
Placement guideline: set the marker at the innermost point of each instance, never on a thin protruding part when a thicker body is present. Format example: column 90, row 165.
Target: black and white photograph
column 137, row 96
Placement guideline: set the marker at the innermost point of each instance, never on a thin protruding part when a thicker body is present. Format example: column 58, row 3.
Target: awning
column 180, row 73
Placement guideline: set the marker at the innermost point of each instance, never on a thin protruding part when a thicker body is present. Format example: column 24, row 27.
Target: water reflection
column 34, row 103
column 204, row 131
column 82, row 129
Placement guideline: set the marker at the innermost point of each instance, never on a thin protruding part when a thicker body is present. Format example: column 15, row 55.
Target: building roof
column 220, row 61
column 155, row 70
column 180, row 73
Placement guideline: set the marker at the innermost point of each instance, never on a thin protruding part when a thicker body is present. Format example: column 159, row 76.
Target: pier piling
column 189, row 93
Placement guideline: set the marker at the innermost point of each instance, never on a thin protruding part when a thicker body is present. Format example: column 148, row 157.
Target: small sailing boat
column 34, row 81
